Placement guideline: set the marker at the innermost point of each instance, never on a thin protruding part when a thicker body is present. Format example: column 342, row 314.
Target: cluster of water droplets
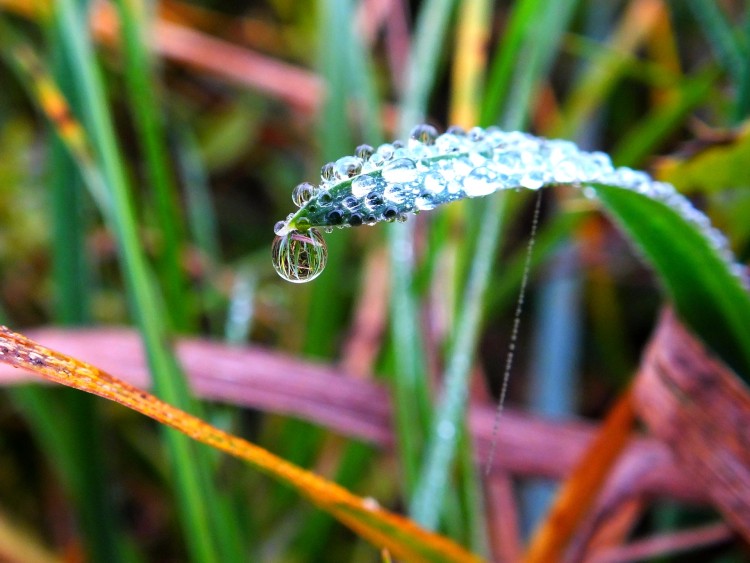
column 395, row 179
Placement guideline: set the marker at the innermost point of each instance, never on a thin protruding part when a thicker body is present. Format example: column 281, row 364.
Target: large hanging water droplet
column 299, row 257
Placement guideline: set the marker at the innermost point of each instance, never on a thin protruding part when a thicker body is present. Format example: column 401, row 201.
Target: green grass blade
column 535, row 59
column 427, row 501
column 504, row 63
column 410, row 390
column 429, row 40
column 728, row 48
column 315, row 534
column 743, row 83
column 67, row 425
column 144, row 99
column 189, row 464
column 201, row 213
column 643, row 139
column 704, row 292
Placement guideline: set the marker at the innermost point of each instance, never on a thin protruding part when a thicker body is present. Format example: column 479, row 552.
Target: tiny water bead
column 328, row 172
column 480, row 182
column 363, row 185
column 303, row 193
column 431, row 169
column 348, row 167
column 364, row 151
column 400, row 171
column 425, row 134
column 299, row 257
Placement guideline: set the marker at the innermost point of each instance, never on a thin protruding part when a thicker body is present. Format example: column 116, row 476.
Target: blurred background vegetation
column 200, row 117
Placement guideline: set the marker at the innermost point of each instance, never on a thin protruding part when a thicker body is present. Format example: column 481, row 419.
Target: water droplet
column 363, row 185
column 370, row 503
column 425, row 201
column 328, row 172
column 567, row 170
column 325, row 198
column 350, row 202
column 374, row 199
column 456, row 130
column 475, row 134
column 602, row 162
column 480, row 182
column 385, row 152
column 376, row 161
column 400, row 171
column 434, row 182
column 364, row 152
column 355, row 220
column 533, row 179
column 481, row 152
column 390, row 213
column 348, row 167
column 299, row 257
column 278, row 226
column 394, row 193
column 424, row 134
column 446, row 430
column 448, row 143
column 303, row 193
column 302, row 223
column 509, row 162
column 334, row 217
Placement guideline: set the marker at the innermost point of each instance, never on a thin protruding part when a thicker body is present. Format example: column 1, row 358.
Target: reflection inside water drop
column 299, row 257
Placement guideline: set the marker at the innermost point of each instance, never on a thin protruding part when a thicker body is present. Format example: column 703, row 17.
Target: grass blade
column 412, row 410
column 504, row 63
column 190, row 466
column 427, row 500
column 730, row 49
column 644, row 138
column 397, row 534
column 580, row 491
column 143, row 97
column 705, row 294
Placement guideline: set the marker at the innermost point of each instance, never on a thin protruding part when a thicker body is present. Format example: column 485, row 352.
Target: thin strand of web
column 510, row 355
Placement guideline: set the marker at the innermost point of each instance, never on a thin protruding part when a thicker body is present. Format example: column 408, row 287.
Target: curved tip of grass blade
column 705, row 292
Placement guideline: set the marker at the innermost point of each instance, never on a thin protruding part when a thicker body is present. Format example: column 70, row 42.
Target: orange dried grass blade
column 51, row 101
column 580, row 490
column 400, row 536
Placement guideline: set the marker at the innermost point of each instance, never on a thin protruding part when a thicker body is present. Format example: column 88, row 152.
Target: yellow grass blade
column 400, row 536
